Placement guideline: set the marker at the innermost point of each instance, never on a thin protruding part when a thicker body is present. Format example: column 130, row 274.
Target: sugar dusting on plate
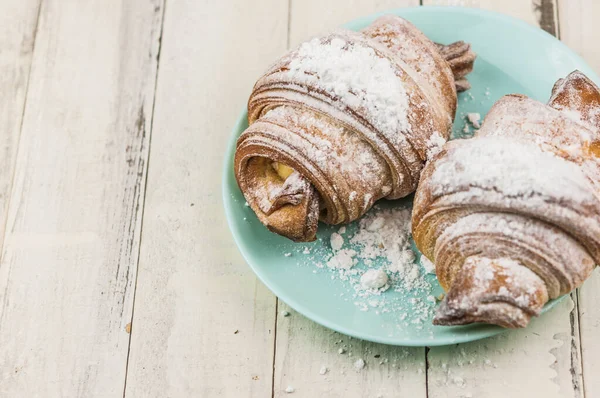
column 374, row 258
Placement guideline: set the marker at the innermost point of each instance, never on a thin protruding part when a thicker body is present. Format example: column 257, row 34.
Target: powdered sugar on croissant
column 519, row 203
column 354, row 115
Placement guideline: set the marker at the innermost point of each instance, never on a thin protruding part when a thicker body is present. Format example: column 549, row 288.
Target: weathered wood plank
column 589, row 329
column 18, row 26
column 194, row 289
column 542, row 360
column 309, row 18
column 303, row 347
column 305, row 350
column 70, row 252
column 579, row 30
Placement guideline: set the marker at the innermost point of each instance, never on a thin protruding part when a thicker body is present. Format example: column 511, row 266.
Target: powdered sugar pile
column 358, row 76
column 386, row 234
column 375, row 260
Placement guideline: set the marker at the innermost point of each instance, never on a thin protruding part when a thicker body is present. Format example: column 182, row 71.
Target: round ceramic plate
column 513, row 57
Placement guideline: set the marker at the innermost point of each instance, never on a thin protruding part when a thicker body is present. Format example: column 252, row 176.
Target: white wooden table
column 118, row 275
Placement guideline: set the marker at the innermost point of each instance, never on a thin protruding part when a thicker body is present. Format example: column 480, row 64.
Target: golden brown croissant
column 511, row 217
column 345, row 120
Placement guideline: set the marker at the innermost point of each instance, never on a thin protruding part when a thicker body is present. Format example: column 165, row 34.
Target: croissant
column 345, row 120
column 511, row 217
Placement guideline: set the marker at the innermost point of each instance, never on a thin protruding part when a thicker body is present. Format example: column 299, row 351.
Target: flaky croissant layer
column 511, row 217
column 345, row 120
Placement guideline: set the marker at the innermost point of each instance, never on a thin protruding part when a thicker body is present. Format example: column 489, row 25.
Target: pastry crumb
column 359, row 364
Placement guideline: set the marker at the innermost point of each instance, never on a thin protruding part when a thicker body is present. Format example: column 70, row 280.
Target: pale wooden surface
column 118, row 276
column 70, row 251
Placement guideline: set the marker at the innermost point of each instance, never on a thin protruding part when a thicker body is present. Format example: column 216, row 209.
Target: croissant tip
column 441, row 319
column 462, row 85
column 448, row 315
column 461, row 59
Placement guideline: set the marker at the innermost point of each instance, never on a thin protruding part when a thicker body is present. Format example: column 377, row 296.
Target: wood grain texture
column 579, row 30
column 71, row 245
column 589, row 324
column 302, row 346
column 542, row 13
column 18, row 26
column 203, row 325
column 305, row 349
column 312, row 17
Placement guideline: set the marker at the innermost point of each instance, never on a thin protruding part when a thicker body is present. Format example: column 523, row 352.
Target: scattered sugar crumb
column 289, row 389
column 285, row 313
column 408, row 256
column 343, row 259
column 359, row 364
column 246, row 204
column 427, row 265
column 306, row 250
column 374, row 279
column 337, row 241
column 342, row 230
column 342, row 351
column 459, row 381
column 378, row 245
column 288, row 254
column 475, row 119
column 323, row 370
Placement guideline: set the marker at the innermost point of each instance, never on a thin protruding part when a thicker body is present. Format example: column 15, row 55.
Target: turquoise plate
column 513, row 57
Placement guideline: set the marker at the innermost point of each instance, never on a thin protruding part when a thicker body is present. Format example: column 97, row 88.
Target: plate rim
column 228, row 174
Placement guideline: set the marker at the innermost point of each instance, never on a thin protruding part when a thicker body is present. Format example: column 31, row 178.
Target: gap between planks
column 143, row 199
column 276, row 317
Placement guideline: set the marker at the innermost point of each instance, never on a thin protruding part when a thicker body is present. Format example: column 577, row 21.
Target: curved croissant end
column 512, row 216
column 343, row 121
column 461, row 59
column 579, row 95
column 499, row 291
